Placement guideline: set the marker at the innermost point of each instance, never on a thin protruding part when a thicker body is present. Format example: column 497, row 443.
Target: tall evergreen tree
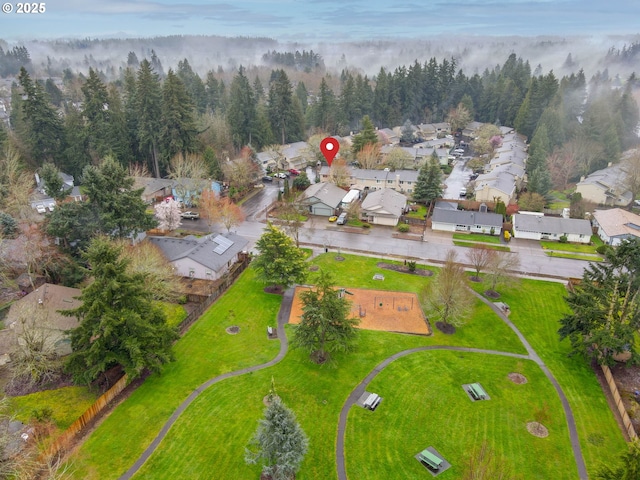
column 429, row 184
column 177, row 123
column 241, row 113
column 148, row 98
column 367, row 136
column 280, row 443
column 119, row 323
column 285, row 114
column 194, row 86
column 323, row 113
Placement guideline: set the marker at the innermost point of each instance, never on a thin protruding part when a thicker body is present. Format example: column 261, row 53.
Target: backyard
column 424, row 403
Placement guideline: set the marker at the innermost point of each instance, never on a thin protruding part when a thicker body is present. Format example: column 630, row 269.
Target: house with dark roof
column 322, row 198
column 207, row 258
column 616, row 225
column 537, row 226
column 451, row 220
column 383, row 207
column 154, row 188
column 42, row 306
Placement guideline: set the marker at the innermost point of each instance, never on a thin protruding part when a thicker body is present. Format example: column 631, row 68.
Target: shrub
column 403, row 228
column 563, row 239
column 602, row 249
column 8, row 225
column 412, row 266
column 43, row 414
column 366, row 225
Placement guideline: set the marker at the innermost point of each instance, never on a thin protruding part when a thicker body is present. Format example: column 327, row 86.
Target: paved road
column 457, row 180
column 532, row 355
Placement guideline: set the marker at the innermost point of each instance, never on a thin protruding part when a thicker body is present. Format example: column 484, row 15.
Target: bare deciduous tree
column 369, row 156
column 292, row 213
column 184, row 170
column 208, row 206
column 501, row 270
column 447, row 298
column 231, row 214
column 459, row 117
column 631, row 168
column 139, row 170
column 339, row 173
column 562, row 166
column 479, row 256
column 398, row 159
column 16, row 184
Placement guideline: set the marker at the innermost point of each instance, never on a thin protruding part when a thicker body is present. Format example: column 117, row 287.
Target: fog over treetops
column 617, row 54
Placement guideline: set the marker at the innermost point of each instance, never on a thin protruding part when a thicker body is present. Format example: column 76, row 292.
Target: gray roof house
column 323, row 198
column 536, row 226
column 369, row 179
column 449, row 220
column 154, row 188
column 383, row 207
column 605, row 187
column 207, row 257
column 616, row 225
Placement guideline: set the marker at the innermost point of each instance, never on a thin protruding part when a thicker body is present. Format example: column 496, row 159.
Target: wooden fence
column 626, row 421
column 63, row 441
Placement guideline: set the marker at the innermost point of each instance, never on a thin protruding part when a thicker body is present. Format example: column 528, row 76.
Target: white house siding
column 527, row 235
column 321, row 209
column 443, row 227
column 383, row 220
column 184, row 267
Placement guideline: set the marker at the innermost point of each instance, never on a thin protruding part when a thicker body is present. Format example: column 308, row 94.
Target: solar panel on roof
column 223, row 244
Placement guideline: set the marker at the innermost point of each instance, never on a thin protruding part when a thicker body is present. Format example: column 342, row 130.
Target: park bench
column 477, row 392
column 431, row 460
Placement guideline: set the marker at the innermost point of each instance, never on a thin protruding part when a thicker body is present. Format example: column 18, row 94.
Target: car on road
column 333, row 218
column 293, row 171
column 190, row 215
column 267, row 178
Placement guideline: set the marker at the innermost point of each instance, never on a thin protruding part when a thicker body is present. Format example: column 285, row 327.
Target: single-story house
column 450, row 220
column 605, row 187
column 207, row 258
column 536, row 226
column 383, row 207
column 154, row 188
column 42, row 307
column 616, row 225
column 323, row 198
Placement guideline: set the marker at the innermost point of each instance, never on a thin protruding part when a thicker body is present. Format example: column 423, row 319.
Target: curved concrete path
column 283, row 318
column 532, row 355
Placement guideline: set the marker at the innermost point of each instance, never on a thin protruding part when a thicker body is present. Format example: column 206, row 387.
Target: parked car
column 267, row 178
column 52, row 206
column 333, row 218
column 190, row 215
column 281, row 175
column 41, row 208
column 293, row 171
column 342, row 219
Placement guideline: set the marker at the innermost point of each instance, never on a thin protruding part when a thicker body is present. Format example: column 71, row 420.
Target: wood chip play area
column 377, row 310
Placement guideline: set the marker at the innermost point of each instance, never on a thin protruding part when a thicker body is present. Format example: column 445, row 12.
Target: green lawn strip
column 596, row 240
column 568, row 247
column 204, row 352
column 224, row 417
column 424, row 405
column 66, row 404
column 420, row 213
column 575, row 256
column 536, row 308
column 175, row 313
column 476, row 237
column 500, row 248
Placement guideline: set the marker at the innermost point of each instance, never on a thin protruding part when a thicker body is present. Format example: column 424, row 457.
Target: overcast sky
column 320, row 19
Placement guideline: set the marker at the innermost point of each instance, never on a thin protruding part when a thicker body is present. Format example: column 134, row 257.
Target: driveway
column 457, row 180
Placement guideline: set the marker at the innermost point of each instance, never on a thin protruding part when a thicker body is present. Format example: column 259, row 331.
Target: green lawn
column 568, row 247
column 175, row 313
column 500, row 248
column 209, row 438
column 575, row 256
column 476, row 237
column 420, row 213
column 424, row 405
column 538, row 320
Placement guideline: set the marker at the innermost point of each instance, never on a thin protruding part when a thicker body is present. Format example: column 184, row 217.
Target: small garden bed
column 404, row 269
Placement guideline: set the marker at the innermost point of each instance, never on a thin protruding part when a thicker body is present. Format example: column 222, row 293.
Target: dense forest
column 147, row 116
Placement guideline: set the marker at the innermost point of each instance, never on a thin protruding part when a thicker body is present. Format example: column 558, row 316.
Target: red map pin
column 329, row 148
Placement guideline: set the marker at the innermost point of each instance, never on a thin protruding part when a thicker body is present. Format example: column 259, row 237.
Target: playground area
column 377, row 310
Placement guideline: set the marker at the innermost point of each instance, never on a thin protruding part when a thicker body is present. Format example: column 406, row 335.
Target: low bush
column 403, row 228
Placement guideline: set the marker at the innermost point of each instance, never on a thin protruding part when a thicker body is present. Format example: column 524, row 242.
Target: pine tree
column 119, row 324
column 429, row 184
column 367, row 136
column 241, row 113
column 285, row 114
column 326, row 324
column 148, row 98
column 280, row 443
column 178, row 128
column 97, row 114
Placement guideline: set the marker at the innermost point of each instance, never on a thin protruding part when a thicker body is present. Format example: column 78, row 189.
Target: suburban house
column 296, row 155
column 43, row 202
column 536, row 226
column 402, row 181
column 492, row 187
column 383, row 207
column 155, row 189
column 471, row 128
column 322, row 198
column 615, row 225
column 42, row 307
column 386, row 136
column 188, row 190
column 604, row 187
column 453, row 220
column 419, row 153
column 207, row 258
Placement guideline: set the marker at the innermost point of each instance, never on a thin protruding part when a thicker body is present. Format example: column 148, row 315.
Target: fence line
column 631, row 432
column 62, row 442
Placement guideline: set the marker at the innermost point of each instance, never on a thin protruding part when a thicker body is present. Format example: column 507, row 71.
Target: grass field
column 476, row 237
column 423, row 398
column 568, row 247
